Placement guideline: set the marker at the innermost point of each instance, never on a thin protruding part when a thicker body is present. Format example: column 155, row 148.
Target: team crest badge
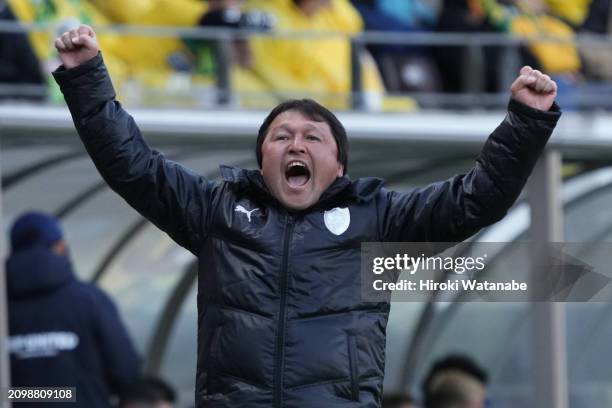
column 337, row 220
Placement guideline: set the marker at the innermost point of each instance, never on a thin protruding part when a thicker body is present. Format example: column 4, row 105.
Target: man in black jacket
column 281, row 321
column 63, row 333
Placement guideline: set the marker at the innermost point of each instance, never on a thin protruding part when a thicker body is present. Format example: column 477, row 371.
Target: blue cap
column 35, row 229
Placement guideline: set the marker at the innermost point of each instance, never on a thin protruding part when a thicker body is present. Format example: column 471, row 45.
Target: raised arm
column 164, row 192
column 453, row 210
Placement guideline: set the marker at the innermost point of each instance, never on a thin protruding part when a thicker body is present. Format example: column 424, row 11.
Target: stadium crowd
column 268, row 64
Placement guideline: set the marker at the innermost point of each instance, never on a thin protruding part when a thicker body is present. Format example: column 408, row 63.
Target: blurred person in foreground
column 281, row 321
column 455, row 381
column 150, row 392
column 63, row 333
column 399, row 400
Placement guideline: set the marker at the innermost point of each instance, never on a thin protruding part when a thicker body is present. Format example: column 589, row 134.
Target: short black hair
column 453, row 362
column 313, row 111
column 149, row 390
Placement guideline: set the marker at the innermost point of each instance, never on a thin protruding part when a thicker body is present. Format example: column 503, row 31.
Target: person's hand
column 534, row 89
column 77, row 46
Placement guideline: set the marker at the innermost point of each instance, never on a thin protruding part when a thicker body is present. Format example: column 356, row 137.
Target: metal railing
column 473, row 43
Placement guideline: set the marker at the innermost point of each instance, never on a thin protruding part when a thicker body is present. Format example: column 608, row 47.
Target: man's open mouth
column 297, row 174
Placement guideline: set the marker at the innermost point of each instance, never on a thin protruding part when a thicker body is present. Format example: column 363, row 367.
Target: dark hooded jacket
column 64, row 333
column 281, row 322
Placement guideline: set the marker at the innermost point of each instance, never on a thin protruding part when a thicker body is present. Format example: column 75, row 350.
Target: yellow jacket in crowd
column 318, row 67
column 573, row 11
column 148, row 57
column 141, row 59
column 555, row 57
column 63, row 15
column 141, row 66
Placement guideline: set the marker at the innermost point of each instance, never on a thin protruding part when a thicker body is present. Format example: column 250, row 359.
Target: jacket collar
column 342, row 190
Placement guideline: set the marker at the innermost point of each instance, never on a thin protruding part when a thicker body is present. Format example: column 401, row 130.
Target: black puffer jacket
column 280, row 319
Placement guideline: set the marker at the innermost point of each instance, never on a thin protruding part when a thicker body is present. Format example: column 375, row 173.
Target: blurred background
column 419, row 84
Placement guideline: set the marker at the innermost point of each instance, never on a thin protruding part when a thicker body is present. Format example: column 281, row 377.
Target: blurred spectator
column 417, row 13
column 63, row 333
column 153, row 59
column 404, row 67
column 398, row 401
column 599, row 18
column 145, row 69
column 18, row 64
column 232, row 17
column 153, row 70
column 573, row 12
column 401, row 14
column 64, row 15
column 161, row 68
column 157, row 12
column 455, row 381
column 527, row 18
column 150, row 392
column 318, row 67
column 598, row 57
column 531, row 18
column 454, row 62
column 184, row 69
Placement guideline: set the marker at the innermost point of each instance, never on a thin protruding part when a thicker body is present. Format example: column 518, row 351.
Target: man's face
column 299, row 159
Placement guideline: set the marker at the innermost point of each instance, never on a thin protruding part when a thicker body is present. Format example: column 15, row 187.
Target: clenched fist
column 534, row 89
column 77, row 46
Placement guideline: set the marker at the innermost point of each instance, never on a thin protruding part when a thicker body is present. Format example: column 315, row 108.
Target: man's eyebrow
column 288, row 128
column 312, row 127
column 284, row 126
